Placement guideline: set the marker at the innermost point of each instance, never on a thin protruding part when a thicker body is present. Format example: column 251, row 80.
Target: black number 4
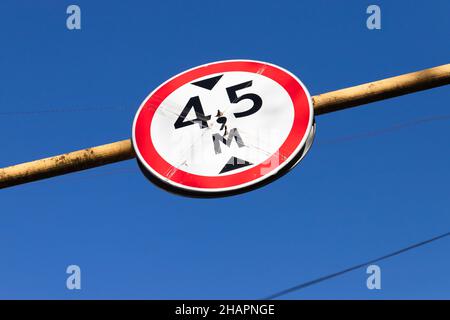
column 195, row 103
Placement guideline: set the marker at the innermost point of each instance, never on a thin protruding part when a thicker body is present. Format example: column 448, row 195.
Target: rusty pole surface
column 66, row 163
column 323, row 103
column 381, row 89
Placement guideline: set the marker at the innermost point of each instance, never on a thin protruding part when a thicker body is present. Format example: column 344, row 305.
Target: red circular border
column 145, row 115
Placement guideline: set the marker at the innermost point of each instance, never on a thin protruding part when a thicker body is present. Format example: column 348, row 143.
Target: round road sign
column 223, row 128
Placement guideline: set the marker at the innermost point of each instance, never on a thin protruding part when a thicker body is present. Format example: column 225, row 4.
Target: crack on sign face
column 261, row 70
column 163, row 107
column 222, row 120
column 185, row 152
column 268, row 153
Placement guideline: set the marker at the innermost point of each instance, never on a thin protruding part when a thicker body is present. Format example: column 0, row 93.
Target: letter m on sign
column 217, row 138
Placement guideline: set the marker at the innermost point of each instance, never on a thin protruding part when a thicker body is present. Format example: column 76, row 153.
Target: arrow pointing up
column 233, row 164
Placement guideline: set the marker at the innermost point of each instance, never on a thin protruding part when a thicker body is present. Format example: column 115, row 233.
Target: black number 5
column 232, row 95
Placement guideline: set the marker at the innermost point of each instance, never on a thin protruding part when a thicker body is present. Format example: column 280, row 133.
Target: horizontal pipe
column 381, row 89
column 323, row 103
column 66, row 163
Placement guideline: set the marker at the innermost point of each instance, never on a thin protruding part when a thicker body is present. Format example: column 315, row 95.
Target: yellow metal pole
column 323, row 103
column 66, row 163
column 382, row 89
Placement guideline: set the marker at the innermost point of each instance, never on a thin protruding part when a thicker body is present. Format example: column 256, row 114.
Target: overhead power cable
column 358, row 266
column 386, row 130
column 56, row 110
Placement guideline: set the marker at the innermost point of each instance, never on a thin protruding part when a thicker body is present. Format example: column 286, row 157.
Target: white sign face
column 223, row 127
column 200, row 150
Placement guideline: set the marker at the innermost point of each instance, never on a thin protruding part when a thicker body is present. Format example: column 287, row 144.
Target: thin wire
column 336, row 274
column 57, row 110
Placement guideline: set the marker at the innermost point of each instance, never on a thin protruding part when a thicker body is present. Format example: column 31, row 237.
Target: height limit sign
column 223, row 128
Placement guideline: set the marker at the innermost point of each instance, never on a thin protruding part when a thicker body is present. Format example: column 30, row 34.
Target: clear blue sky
column 376, row 179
